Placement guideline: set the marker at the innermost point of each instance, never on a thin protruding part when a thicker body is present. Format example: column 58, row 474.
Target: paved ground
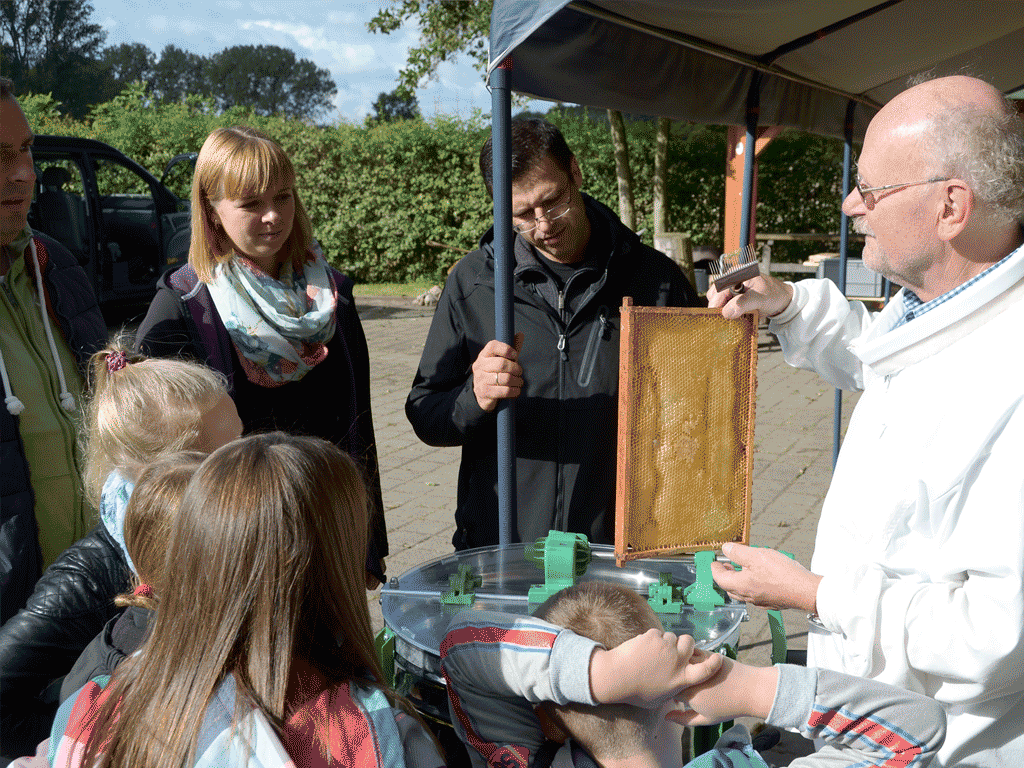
column 792, row 465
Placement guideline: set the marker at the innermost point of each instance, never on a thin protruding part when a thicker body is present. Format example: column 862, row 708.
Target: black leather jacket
column 71, row 603
column 120, row 638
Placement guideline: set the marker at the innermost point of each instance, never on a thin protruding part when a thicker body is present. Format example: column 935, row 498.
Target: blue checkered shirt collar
column 914, row 307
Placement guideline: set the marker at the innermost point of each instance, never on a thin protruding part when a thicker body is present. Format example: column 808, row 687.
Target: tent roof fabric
column 696, row 59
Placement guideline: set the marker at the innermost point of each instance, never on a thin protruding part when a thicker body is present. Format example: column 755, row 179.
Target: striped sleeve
column 863, row 722
column 497, row 667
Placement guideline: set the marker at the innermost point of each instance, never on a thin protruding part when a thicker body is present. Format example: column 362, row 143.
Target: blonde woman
column 259, row 303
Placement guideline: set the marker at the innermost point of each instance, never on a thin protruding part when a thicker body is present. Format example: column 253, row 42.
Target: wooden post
column 734, row 150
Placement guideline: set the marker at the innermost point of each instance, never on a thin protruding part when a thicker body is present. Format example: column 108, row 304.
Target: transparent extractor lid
column 412, row 607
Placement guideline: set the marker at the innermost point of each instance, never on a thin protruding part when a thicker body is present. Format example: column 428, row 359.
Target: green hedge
column 378, row 195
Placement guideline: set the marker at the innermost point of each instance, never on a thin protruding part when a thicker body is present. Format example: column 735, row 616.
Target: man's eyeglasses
column 550, row 214
column 868, row 193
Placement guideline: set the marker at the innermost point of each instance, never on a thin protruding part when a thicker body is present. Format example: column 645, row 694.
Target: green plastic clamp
column 564, row 557
column 463, row 585
column 777, row 625
column 665, row 597
column 702, row 594
column 384, row 645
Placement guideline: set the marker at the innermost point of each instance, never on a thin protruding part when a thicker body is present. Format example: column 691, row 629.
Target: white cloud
column 305, row 35
column 185, row 26
column 349, row 57
column 346, row 18
column 159, row 24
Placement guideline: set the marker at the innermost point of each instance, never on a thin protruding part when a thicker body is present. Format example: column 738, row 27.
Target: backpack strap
column 209, row 335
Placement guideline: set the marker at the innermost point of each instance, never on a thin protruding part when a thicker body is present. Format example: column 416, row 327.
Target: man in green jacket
column 50, row 323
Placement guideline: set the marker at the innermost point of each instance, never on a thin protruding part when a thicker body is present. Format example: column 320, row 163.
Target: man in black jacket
column 574, row 263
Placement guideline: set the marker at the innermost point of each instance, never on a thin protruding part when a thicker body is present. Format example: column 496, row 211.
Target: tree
column 270, row 80
column 660, row 175
column 394, row 106
column 127, row 63
column 627, row 211
column 34, row 29
column 50, row 46
column 446, row 29
column 178, row 74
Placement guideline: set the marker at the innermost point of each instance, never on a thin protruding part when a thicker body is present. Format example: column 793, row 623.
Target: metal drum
column 412, row 607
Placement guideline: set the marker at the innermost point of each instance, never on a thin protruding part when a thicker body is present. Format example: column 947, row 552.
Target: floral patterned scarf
column 279, row 327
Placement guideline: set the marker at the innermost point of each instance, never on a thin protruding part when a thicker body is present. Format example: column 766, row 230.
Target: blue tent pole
column 844, row 244
column 753, row 112
column 501, row 118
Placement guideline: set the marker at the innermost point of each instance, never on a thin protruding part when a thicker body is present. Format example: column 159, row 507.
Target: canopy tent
column 818, row 65
column 697, row 60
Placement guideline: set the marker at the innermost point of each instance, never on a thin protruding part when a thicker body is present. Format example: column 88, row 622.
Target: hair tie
column 143, row 590
column 116, row 361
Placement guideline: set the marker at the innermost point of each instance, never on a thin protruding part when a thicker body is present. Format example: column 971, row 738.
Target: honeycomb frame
column 687, row 399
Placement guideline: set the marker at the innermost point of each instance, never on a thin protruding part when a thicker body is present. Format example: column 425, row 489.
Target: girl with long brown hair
column 262, row 646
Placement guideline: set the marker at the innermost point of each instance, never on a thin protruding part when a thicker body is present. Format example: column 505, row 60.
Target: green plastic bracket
column 463, row 585
column 702, row 594
column 384, row 645
column 665, row 597
column 564, row 557
column 776, row 624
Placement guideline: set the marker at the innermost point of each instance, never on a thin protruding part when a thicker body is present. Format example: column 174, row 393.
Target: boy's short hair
column 610, row 614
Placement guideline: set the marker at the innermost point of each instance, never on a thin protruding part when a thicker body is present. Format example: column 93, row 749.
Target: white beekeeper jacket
column 921, row 537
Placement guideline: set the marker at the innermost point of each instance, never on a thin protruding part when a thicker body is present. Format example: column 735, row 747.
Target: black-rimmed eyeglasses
column 550, row 214
column 868, row 193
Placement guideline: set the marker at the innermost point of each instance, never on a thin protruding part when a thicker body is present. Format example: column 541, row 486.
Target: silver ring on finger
column 496, row 380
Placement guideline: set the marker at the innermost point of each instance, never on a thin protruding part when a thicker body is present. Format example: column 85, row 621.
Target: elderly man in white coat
column 916, row 578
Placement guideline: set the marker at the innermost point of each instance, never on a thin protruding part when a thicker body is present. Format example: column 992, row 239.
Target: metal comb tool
column 731, row 269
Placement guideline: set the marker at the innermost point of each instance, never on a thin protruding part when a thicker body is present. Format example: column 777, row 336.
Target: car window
column 130, row 221
column 114, row 179
column 178, row 177
column 59, row 208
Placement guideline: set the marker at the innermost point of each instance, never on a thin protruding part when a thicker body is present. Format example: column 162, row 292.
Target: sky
column 331, row 33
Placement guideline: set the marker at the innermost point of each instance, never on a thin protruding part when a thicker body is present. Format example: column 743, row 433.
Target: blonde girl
column 259, row 303
column 139, row 409
column 261, row 648
column 147, row 530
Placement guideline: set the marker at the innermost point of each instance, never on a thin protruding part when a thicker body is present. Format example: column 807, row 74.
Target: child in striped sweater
column 596, row 664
